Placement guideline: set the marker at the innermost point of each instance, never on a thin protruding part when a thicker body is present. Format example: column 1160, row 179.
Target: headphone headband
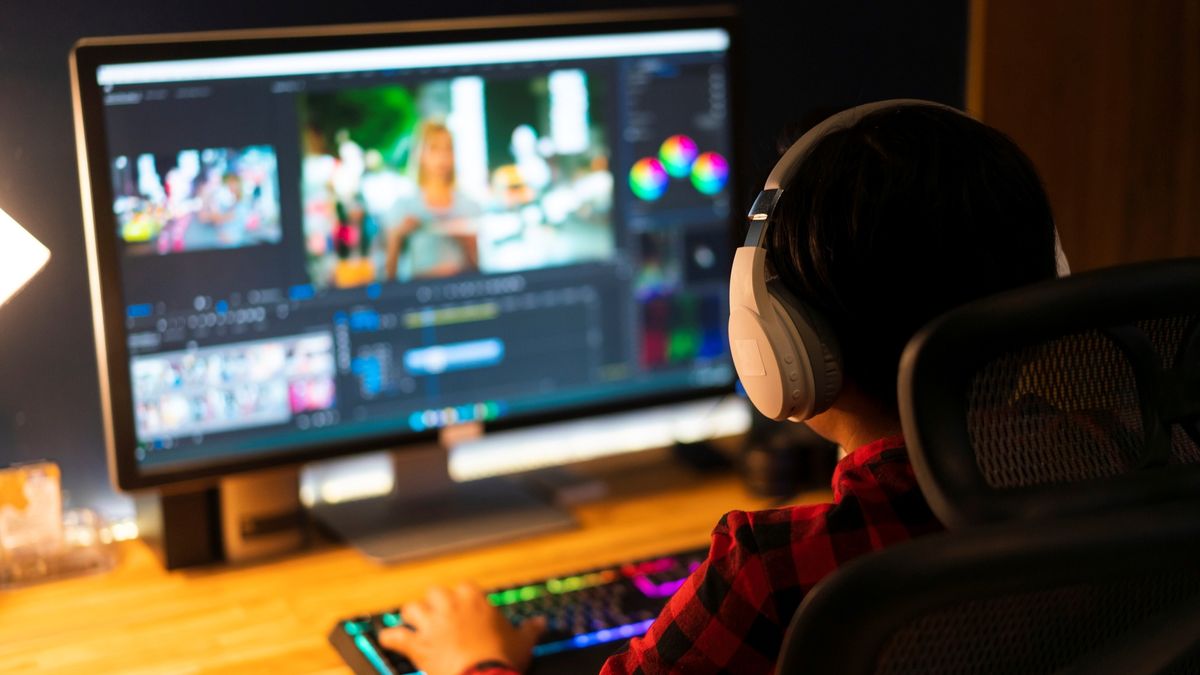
column 761, row 211
column 789, row 163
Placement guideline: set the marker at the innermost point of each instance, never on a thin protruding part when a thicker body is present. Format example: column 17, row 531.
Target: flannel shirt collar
column 849, row 469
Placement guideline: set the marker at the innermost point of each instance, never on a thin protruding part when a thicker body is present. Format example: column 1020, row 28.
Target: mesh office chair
column 1056, row 431
column 1065, row 397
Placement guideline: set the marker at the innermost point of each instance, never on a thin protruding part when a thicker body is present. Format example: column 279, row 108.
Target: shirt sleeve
column 723, row 618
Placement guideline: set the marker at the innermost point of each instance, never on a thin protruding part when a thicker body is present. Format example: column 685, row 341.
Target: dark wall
column 801, row 56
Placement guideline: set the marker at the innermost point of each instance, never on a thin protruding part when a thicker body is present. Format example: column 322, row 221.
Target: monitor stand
column 427, row 513
column 239, row 518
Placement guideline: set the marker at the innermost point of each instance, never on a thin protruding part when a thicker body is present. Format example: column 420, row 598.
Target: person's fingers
column 470, row 595
column 439, row 600
column 415, row 614
column 396, row 639
column 532, row 628
column 467, row 589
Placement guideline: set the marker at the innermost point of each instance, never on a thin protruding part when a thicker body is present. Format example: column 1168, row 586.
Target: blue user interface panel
column 318, row 247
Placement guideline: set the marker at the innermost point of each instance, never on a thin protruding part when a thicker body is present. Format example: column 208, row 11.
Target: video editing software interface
column 326, row 246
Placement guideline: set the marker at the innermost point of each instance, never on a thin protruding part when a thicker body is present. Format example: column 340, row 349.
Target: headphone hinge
column 760, row 216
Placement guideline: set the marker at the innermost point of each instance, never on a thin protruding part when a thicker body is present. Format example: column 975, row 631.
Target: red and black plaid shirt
column 731, row 613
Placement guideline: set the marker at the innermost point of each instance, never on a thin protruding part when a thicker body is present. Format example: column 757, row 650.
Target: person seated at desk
column 887, row 224
column 433, row 233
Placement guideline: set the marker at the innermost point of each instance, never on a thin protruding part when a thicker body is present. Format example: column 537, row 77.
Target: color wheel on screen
column 678, row 157
column 710, row 173
column 677, row 154
column 648, row 179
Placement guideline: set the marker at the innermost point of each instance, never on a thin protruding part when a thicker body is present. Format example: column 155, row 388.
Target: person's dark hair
column 901, row 217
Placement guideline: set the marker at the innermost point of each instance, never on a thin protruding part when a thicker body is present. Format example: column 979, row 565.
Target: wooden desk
column 273, row 617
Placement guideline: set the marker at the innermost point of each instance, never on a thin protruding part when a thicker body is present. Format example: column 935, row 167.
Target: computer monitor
column 307, row 243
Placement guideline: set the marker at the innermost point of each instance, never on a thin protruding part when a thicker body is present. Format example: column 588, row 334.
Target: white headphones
column 785, row 353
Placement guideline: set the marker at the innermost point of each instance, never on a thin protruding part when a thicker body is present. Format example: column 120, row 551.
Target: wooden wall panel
column 1105, row 97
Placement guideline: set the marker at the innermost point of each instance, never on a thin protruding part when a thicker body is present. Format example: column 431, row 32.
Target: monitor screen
column 318, row 244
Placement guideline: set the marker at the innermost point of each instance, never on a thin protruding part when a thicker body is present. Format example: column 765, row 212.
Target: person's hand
column 408, row 225
column 454, row 629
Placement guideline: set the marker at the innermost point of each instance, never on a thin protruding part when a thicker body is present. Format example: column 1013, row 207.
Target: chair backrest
column 1065, row 397
column 1074, row 595
column 1055, row 430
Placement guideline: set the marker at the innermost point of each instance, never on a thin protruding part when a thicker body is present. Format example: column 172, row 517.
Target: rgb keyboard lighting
column 594, row 638
column 551, row 587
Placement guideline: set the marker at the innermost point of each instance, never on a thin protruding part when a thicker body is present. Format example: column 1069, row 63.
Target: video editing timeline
column 319, row 253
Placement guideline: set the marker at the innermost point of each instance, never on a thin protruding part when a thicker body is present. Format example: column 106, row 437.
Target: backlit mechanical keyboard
column 583, row 612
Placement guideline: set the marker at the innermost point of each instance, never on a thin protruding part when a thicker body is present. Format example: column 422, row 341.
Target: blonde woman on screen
column 432, row 233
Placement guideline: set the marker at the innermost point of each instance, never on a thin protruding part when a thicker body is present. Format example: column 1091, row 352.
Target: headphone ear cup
column 815, row 349
column 757, row 340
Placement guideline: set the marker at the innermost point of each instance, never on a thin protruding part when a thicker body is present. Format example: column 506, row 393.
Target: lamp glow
column 21, row 256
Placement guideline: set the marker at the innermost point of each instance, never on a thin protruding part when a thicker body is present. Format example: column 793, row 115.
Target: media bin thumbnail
column 234, row 386
column 456, row 176
column 195, row 200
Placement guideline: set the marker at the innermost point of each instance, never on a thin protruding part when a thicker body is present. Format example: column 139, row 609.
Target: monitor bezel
column 100, row 232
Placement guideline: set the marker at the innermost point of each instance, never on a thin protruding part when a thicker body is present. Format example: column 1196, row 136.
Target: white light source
column 21, row 256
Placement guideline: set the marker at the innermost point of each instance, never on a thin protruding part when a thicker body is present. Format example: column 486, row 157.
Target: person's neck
column 437, row 193
column 855, row 420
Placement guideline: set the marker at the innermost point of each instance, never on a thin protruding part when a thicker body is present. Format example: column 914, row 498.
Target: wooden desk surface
column 273, row 617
